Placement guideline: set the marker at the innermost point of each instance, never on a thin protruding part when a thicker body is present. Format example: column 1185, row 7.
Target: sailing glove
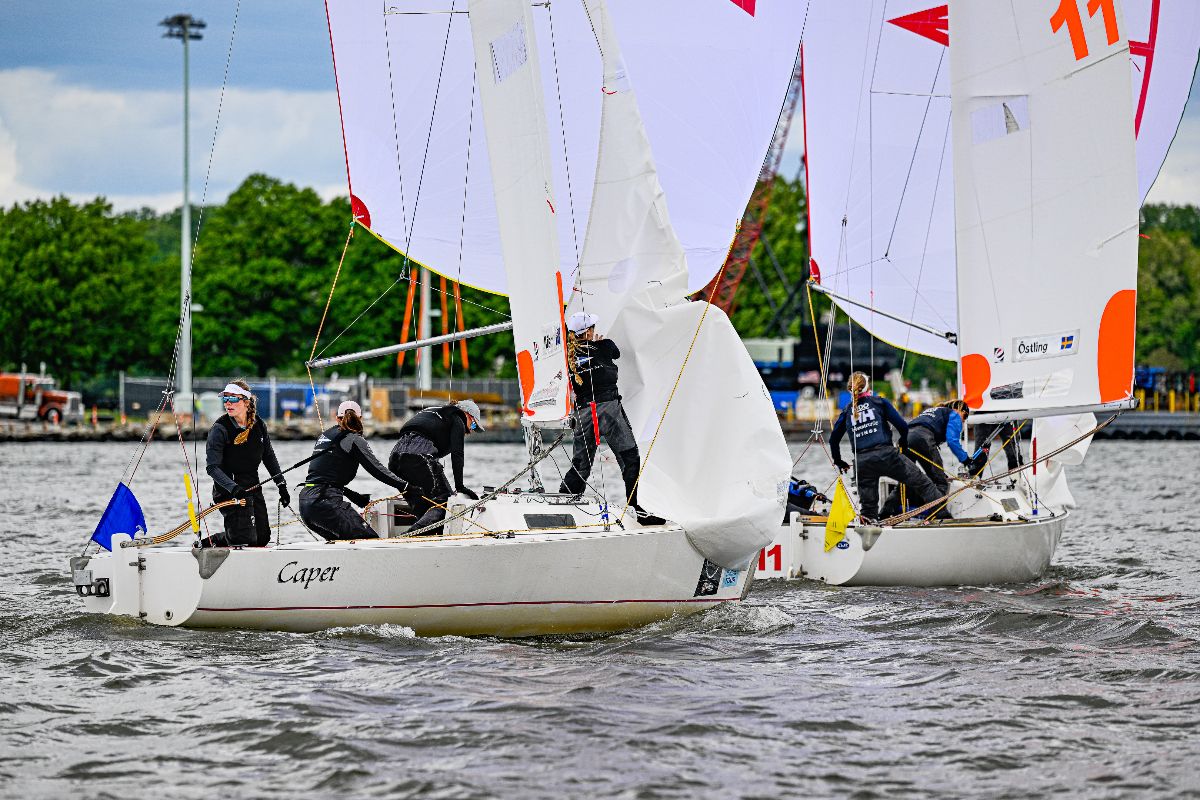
column 284, row 497
column 238, row 492
column 841, row 465
column 465, row 491
column 358, row 499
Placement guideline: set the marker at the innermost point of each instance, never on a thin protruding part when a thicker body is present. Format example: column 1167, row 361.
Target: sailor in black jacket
column 598, row 412
column 343, row 450
column 869, row 421
column 432, row 434
column 237, row 443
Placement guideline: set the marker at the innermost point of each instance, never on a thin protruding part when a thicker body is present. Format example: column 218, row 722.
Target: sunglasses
column 231, row 398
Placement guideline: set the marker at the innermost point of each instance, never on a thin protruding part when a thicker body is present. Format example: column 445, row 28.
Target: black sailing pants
column 886, row 461
column 325, row 510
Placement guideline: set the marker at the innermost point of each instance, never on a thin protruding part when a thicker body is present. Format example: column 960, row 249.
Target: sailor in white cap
column 429, row 435
column 237, row 444
column 342, row 450
column 591, row 360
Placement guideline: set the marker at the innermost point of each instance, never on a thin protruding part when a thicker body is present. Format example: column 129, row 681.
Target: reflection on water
column 1083, row 682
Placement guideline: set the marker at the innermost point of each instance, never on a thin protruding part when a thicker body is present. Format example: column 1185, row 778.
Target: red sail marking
column 359, row 209
column 1145, row 50
column 933, row 24
column 745, row 5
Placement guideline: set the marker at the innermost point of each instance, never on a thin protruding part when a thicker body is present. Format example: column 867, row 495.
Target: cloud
column 62, row 138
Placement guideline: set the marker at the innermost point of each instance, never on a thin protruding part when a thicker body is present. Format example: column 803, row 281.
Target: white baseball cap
column 349, row 405
column 580, row 321
column 472, row 409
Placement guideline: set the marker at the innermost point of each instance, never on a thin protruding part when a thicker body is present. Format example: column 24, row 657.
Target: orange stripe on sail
column 445, row 326
column 408, row 306
column 1114, row 348
column 976, row 376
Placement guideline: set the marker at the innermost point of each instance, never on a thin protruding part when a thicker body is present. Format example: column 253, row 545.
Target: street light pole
column 186, row 28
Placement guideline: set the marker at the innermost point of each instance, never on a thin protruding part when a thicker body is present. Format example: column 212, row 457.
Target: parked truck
column 34, row 397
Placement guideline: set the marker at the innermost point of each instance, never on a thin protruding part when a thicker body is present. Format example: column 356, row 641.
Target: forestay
column 1046, row 205
column 514, row 112
column 715, row 74
column 718, row 464
column 877, row 100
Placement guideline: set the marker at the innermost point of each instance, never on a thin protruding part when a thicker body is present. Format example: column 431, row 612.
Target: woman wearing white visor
column 238, row 443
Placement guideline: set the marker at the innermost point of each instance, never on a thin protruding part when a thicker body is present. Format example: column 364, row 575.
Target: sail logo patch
column 998, row 355
column 509, row 52
column 1050, row 345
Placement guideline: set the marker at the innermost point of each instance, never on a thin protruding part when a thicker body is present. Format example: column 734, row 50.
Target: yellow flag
column 841, row 513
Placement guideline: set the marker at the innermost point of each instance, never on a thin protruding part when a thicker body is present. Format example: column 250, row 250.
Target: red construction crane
column 722, row 289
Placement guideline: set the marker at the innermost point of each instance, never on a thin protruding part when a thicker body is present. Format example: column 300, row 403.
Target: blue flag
column 123, row 515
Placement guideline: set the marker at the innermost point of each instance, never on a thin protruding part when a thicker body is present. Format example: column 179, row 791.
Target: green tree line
column 90, row 291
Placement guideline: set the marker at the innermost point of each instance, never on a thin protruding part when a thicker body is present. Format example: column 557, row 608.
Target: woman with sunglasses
column 237, row 444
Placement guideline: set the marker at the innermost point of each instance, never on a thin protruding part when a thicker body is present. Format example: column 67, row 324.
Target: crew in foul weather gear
column 430, row 435
column 237, row 444
column 598, row 412
column 1007, row 433
column 342, row 450
column 869, row 421
column 801, row 496
column 933, row 427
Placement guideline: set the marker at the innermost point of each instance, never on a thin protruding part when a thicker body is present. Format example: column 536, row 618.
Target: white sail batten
column 510, row 91
column 713, row 79
column 876, row 94
column 718, row 463
column 1046, row 207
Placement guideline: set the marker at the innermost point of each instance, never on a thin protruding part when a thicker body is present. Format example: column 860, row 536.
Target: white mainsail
column 510, row 89
column 714, row 73
column 877, row 99
column 715, row 458
column 1046, row 206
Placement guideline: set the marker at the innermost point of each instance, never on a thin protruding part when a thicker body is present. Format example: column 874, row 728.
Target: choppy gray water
column 1084, row 682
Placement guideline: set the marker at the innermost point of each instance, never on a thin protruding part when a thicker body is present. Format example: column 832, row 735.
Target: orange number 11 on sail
column 1068, row 13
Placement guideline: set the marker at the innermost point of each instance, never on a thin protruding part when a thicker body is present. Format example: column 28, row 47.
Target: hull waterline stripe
column 474, row 605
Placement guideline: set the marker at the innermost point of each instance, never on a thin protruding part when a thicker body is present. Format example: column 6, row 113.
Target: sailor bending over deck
column 869, row 421
column 933, row 427
column 237, row 443
column 342, row 451
column 432, row 434
column 598, row 411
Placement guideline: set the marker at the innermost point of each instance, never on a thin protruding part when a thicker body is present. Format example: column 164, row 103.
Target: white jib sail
column 877, row 100
column 715, row 77
column 1046, row 203
column 718, row 463
column 514, row 113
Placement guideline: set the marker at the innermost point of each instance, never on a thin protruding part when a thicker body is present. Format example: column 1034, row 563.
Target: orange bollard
column 95, row 418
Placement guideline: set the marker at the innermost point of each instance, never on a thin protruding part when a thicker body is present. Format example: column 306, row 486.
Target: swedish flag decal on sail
column 1068, row 342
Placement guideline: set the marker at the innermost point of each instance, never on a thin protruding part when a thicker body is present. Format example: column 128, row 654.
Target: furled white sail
column 717, row 463
column 1046, row 204
column 510, row 89
column 715, row 73
column 876, row 96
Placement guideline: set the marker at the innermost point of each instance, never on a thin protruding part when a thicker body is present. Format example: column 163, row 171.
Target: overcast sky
column 91, row 103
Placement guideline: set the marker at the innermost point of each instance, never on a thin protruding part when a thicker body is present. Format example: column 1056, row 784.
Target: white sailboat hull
column 552, row 582
column 1016, row 546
